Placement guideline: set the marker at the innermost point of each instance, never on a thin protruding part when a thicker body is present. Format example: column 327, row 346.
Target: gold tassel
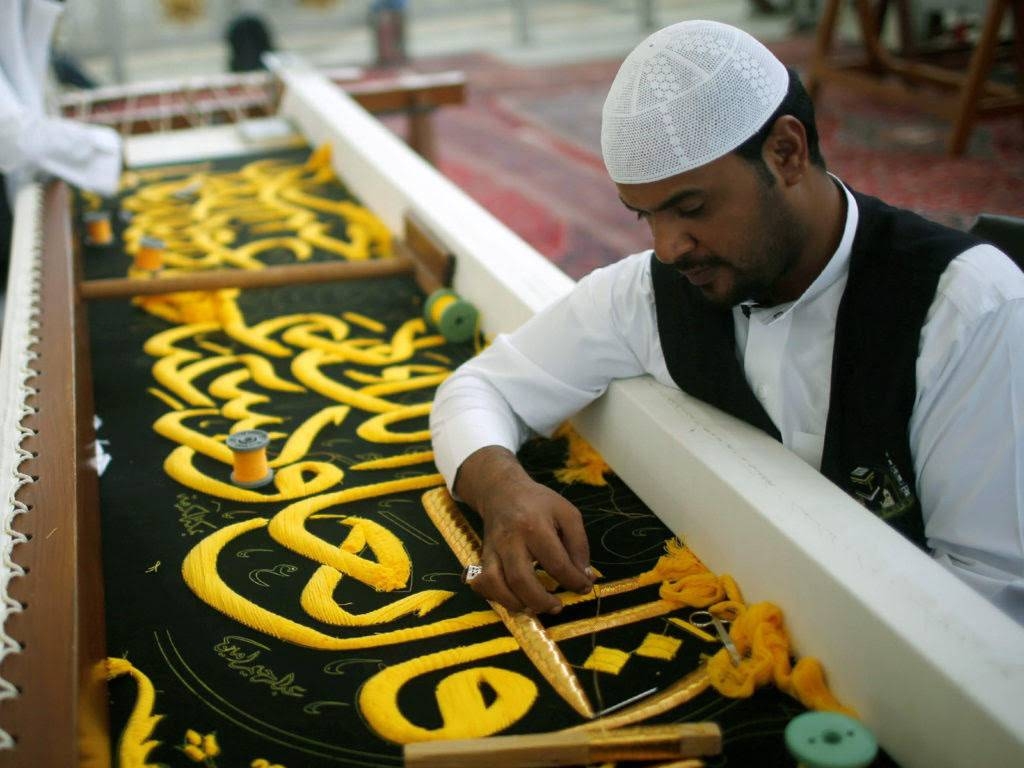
column 583, row 464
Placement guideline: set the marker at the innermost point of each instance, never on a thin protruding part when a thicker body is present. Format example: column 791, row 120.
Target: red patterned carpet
column 526, row 146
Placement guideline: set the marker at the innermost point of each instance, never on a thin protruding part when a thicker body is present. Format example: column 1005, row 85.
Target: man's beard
column 772, row 257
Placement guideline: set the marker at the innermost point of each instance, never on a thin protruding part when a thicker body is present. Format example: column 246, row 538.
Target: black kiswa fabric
column 268, row 701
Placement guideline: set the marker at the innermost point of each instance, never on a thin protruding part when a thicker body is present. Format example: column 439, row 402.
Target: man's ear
column 785, row 150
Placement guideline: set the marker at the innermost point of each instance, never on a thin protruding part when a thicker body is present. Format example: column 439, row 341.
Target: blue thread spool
column 830, row 740
column 452, row 315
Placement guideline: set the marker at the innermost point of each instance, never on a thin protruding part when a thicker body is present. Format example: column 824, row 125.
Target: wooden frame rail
column 60, row 715
column 166, row 106
column 960, row 97
column 416, row 97
column 215, row 279
column 421, row 254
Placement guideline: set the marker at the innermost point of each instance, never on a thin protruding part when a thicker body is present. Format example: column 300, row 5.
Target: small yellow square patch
column 657, row 646
column 610, row 660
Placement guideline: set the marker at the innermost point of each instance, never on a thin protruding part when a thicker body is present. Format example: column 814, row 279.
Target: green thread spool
column 830, row 740
column 452, row 315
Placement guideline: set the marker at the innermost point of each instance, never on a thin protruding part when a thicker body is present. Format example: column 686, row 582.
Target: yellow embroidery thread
column 607, row 660
column 200, row 748
column 657, row 646
column 583, row 464
column 166, row 399
column 287, row 527
column 464, row 712
column 136, row 743
column 364, row 322
column 199, row 571
column 376, row 428
column 396, row 462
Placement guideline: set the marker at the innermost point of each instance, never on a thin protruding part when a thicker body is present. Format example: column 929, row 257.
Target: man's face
column 725, row 226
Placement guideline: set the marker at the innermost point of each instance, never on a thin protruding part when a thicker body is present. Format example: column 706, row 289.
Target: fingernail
column 556, row 610
column 590, row 572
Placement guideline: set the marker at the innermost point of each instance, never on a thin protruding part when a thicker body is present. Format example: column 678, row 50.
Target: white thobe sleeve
column 12, row 122
column 530, row 381
column 40, row 21
column 967, row 432
column 88, row 156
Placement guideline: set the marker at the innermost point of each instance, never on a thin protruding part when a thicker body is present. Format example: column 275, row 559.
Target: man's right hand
column 525, row 525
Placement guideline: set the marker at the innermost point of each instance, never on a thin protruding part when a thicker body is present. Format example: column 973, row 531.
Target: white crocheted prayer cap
column 687, row 95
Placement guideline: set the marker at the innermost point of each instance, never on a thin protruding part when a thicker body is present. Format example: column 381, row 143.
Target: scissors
column 704, row 619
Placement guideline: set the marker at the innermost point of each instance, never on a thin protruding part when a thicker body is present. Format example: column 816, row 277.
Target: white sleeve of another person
column 967, row 431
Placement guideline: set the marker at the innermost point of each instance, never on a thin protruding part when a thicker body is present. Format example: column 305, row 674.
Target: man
column 31, row 142
column 883, row 349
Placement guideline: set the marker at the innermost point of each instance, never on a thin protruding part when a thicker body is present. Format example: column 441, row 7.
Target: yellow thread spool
column 249, row 453
column 150, row 255
column 97, row 228
column 452, row 315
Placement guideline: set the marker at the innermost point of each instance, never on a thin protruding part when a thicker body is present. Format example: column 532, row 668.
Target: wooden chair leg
column 1018, row 40
column 870, row 24
column 977, row 76
column 908, row 41
column 823, row 45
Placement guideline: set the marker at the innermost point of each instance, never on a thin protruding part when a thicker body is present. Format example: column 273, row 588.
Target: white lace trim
column 21, row 323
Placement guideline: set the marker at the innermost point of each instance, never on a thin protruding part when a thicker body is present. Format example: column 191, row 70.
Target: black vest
column 895, row 264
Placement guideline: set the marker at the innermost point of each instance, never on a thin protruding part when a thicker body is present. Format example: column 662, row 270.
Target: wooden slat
column 60, row 717
column 435, row 263
column 168, row 105
column 293, row 274
column 570, row 747
column 416, row 97
column 421, row 93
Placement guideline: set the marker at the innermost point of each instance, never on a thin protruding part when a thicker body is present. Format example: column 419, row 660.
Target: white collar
column 839, row 263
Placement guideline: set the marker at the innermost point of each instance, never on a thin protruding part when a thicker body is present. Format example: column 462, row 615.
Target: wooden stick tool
column 533, row 638
column 645, row 742
column 212, row 280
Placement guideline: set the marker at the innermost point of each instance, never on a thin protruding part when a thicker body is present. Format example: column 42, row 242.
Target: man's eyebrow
column 677, row 198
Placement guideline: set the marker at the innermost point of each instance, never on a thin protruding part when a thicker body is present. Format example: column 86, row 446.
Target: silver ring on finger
column 470, row 572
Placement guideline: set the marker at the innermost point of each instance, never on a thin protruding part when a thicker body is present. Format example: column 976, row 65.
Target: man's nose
column 672, row 240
